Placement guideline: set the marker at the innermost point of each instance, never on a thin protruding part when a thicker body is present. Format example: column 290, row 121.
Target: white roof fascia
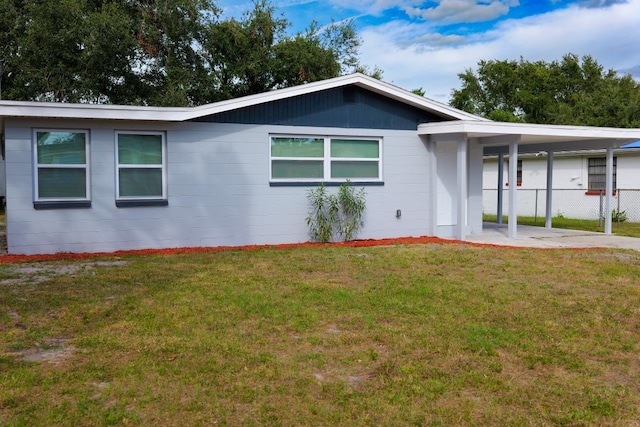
column 357, row 79
column 126, row 112
column 89, row 111
column 528, row 132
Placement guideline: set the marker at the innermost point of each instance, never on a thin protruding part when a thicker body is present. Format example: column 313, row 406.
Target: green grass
column 631, row 229
column 380, row 336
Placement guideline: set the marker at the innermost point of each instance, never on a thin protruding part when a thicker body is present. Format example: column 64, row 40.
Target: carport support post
column 548, row 214
column 500, row 185
column 512, row 228
column 462, row 187
column 608, row 196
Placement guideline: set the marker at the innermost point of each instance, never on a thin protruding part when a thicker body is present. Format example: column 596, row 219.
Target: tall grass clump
column 335, row 216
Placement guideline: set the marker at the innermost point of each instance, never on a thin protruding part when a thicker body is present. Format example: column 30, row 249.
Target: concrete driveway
column 540, row 237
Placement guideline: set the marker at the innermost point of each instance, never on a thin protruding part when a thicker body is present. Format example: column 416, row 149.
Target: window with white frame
column 141, row 166
column 61, row 165
column 318, row 158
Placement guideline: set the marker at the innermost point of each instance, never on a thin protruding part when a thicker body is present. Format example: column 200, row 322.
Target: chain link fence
column 573, row 203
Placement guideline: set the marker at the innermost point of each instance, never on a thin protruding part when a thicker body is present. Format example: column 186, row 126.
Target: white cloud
column 599, row 3
column 372, row 7
column 445, row 11
column 452, row 11
column 412, row 56
column 436, row 40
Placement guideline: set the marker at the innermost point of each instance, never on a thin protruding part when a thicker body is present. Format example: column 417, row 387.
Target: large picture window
column 598, row 173
column 61, row 171
column 315, row 158
column 141, row 166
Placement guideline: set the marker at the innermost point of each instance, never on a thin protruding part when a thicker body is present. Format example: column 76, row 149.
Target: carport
column 471, row 137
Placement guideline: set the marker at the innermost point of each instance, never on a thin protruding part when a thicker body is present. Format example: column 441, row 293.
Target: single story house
column 579, row 180
column 87, row 178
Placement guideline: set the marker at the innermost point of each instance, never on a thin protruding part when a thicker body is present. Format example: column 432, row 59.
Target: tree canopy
column 574, row 91
column 160, row 52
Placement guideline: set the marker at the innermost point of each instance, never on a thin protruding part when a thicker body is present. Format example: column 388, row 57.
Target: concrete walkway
column 540, row 237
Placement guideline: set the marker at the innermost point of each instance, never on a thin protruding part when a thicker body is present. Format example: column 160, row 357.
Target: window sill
column 597, row 192
column 141, row 203
column 326, row 183
column 42, row 205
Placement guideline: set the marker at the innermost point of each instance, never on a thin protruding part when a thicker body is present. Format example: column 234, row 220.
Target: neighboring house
column 578, row 181
column 106, row 177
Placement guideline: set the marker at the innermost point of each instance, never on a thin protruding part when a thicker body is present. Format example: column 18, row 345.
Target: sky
column 426, row 44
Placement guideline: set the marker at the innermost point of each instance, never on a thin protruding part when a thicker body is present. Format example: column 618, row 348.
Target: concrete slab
column 540, row 237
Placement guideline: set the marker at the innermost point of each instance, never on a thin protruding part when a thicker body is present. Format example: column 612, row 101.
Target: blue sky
column 427, row 43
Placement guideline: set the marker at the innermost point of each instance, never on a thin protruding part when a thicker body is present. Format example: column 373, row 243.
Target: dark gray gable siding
column 346, row 107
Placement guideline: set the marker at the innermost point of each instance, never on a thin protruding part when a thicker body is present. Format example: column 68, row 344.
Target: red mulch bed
column 8, row 259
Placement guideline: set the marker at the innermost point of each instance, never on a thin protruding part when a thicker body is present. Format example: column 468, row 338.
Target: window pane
column 598, row 173
column 139, row 149
column 62, row 183
column 297, row 147
column 297, row 169
column 354, row 169
column 355, row 148
column 61, row 148
column 140, row 182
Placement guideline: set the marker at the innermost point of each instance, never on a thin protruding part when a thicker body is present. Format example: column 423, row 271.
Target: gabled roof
column 175, row 114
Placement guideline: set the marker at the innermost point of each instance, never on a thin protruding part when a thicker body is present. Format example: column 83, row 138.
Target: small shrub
column 335, row 215
column 324, row 214
column 352, row 206
column 618, row 216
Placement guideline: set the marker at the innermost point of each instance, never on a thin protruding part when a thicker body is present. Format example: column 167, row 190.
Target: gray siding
column 346, row 107
column 218, row 187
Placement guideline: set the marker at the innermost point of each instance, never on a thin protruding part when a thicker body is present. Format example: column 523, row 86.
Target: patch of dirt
column 35, row 273
column 52, row 350
column 353, row 381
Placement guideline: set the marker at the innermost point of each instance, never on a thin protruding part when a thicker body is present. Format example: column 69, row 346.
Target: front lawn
column 425, row 334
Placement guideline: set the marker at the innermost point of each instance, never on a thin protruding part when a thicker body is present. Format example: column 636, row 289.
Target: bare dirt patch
column 35, row 273
column 51, row 350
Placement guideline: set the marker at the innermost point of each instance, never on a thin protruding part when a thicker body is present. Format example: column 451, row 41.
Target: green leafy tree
column 572, row 91
column 255, row 54
column 159, row 52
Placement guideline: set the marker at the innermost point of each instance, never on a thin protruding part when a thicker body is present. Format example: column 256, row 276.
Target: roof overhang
column 173, row 114
column 496, row 137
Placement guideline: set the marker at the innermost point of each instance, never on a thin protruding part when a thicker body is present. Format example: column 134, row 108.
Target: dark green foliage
column 159, row 52
column 573, row 91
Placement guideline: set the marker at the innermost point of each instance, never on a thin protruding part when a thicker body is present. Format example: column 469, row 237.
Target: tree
column 124, row 51
column 159, row 52
column 572, row 91
column 255, row 54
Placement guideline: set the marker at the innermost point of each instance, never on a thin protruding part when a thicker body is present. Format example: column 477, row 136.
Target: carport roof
column 531, row 138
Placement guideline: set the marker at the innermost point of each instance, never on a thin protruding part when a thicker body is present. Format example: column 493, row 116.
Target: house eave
column 177, row 114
